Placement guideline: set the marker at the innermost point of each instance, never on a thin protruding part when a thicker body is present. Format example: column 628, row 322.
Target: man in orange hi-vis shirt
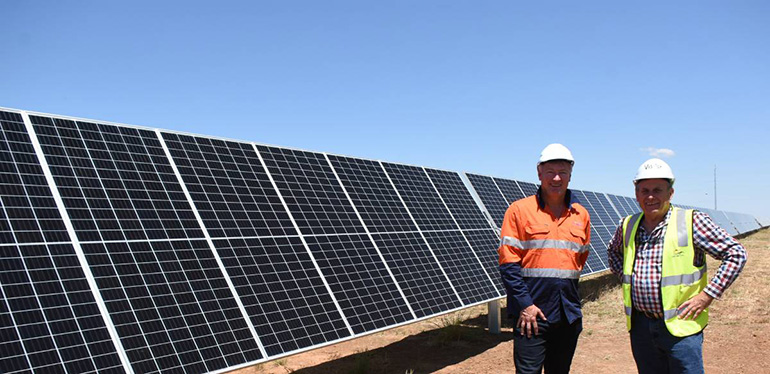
column 543, row 248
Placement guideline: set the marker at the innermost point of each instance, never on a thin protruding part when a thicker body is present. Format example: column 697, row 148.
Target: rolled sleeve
column 709, row 238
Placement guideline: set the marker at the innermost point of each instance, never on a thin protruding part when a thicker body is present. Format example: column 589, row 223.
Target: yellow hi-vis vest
column 680, row 278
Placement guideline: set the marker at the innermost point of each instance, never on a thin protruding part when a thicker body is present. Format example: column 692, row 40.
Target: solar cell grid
column 282, row 292
column 311, row 191
column 171, row 306
column 462, row 266
column 229, row 187
column 116, row 182
column 594, row 262
column 455, row 195
column 485, row 244
column 28, row 212
column 737, row 221
column 747, row 222
column 721, row 219
column 632, row 205
column 490, row 196
column 422, row 200
column 620, row 205
column 359, row 280
column 416, row 270
column 586, row 269
column 49, row 321
column 373, row 195
column 606, row 233
column 602, row 214
column 510, row 189
column 529, row 189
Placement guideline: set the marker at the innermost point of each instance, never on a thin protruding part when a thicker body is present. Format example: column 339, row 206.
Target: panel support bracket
column 493, row 313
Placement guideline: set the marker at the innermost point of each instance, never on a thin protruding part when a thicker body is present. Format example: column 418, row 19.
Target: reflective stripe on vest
column 681, row 280
column 550, row 273
column 543, row 243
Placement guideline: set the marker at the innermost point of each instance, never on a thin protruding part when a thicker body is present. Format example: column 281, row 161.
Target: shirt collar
column 662, row 223
column 568, row 200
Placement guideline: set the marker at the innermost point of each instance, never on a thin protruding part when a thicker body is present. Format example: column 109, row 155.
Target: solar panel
column 442, row 232
column 368, row 295
column 282, row 292
column 763, row 221
column 744, row 223
column 417, row 270
column 49, row 317
column 29, row 213
column 721, row 219
column 265, row 259
column 529, row 189
column 490, row 196
column 469, row 277
column 395, row 234
column 166, row 295
column 458, row 200
column 632, row 205
column 50, row 320
column 620, row 205
column 373, row 195
column 749, row 221
column 470, row 219
column 364, row 289
column 262, row 253
column 116, row 182
column 510, row 189
column 171, row 305
column 420, row 196
column 311, row 191
column 485, row 244
column 229, row 187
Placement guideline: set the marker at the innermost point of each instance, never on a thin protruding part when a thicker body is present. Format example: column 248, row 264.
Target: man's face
column 554, row 177
column 654, row 196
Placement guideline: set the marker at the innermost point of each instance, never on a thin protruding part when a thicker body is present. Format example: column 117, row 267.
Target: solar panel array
column 136, row 250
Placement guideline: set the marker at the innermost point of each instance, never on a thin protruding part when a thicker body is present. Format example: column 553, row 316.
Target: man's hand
column 528, row 320
column 692, row 308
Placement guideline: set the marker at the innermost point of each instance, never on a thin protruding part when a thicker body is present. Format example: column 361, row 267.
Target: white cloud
column 659, row 152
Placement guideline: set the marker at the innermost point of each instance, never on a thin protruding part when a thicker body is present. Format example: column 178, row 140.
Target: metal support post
column 493, row 311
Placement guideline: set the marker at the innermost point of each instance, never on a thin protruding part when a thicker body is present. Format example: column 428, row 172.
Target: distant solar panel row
column 145, row 251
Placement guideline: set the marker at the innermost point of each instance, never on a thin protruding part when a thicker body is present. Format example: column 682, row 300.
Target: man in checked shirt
column 659, row 256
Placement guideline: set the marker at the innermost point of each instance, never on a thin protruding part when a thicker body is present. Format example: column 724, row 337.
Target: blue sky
column 477, row 86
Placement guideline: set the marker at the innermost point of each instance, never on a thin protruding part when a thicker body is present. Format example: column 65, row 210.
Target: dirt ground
column 736, row 340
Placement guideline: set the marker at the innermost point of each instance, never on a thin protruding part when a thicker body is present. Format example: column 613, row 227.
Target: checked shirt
column 707, row 238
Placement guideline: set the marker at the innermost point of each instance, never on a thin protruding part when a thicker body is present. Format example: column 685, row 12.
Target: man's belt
column 650, row 315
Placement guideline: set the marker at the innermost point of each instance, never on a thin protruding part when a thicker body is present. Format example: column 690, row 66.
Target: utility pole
column 715, row 187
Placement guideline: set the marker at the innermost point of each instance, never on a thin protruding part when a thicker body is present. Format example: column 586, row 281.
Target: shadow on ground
column 425, row 352
column 451, row 342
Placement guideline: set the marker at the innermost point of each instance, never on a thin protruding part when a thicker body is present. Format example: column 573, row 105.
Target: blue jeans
column 656, row 351
column 552, row 348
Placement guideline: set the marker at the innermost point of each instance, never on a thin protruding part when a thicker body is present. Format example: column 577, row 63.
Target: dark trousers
column 552, row 348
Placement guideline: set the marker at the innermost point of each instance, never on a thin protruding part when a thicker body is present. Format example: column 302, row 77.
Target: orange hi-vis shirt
column 543, row 246
column 541, row 257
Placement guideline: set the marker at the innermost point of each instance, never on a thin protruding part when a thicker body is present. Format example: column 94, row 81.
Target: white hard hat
column 555, row 151
column 654, row 168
